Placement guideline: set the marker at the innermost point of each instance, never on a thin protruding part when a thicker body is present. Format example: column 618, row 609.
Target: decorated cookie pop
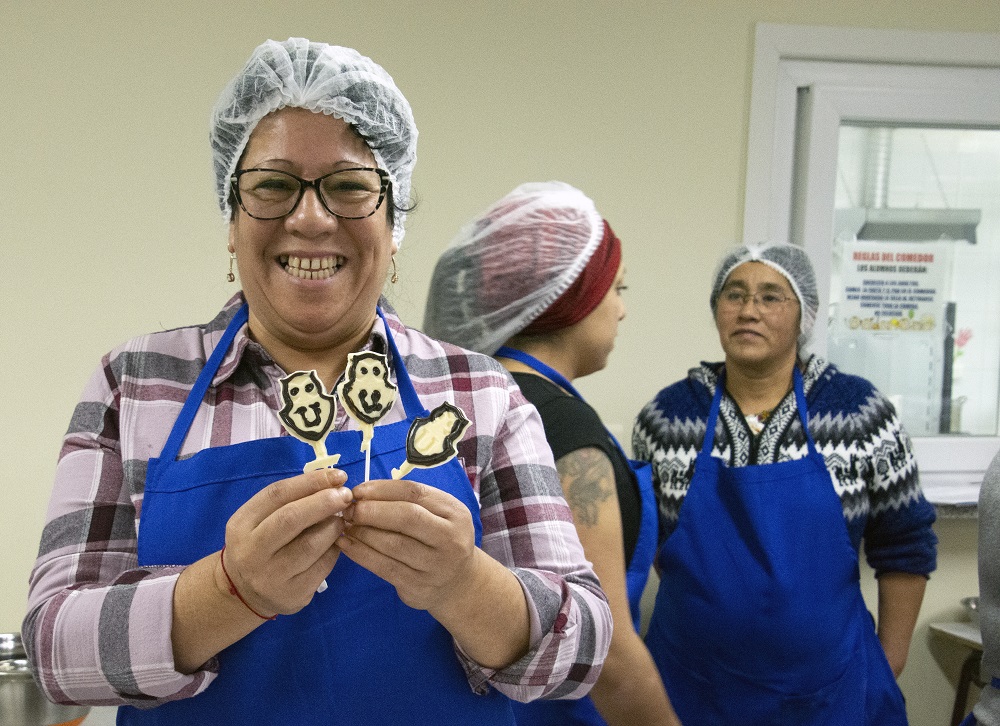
column 431, row 440
column 307, row 414
column 367, row 395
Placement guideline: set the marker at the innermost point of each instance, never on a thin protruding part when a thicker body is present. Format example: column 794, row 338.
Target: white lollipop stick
column 367, row 432
column 307, row 414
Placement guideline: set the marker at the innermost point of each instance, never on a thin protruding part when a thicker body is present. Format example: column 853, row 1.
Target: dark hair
column 392, row 207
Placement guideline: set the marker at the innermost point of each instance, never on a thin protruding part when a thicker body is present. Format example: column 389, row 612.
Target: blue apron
column 759, row 617
column 583, row 711
column 356, row 654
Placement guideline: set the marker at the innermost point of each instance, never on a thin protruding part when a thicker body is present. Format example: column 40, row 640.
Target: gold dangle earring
column 232, row 258
column 395, row 278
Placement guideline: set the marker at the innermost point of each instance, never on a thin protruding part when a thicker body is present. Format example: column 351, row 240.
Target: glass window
column 888, row 158
column 914, row 295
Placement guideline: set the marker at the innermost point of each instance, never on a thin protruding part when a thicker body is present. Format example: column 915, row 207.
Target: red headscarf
column 587, row 290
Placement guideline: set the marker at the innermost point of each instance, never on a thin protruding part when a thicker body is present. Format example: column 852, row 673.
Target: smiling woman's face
column 347, row 259
column 749, row 336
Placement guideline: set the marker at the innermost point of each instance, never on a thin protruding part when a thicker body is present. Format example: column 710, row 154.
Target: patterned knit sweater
column 867, row 452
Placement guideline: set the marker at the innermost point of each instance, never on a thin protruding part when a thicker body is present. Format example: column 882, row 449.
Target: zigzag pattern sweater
column 867, row 452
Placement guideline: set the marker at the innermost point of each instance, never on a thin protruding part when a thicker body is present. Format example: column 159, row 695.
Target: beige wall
column 108, row 226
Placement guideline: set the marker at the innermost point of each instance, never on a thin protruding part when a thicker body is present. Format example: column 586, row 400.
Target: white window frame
column 950, row 462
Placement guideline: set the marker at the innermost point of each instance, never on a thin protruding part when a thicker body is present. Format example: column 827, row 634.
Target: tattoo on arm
column 587, row 480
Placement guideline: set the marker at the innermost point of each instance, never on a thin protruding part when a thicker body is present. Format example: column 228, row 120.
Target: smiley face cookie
column 432, row 440
column 308, row 413
column 366, row 392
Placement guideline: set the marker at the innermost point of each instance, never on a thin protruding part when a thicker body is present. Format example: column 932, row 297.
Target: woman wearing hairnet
column 536, row 280
column 215, row 612
column 770, row 468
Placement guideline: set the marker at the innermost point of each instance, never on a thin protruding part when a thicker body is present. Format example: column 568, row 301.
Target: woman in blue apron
column 987, row 711
column 541, row 271
column 270, row 595
column 759, row 617
column 295, row 656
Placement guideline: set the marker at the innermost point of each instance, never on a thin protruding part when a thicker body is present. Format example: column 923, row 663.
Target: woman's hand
column 422, row 541
column 279, row 547
column 416, row 537
column 281, row 544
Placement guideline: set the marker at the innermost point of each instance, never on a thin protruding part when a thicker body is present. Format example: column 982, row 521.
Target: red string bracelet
column 234, row 591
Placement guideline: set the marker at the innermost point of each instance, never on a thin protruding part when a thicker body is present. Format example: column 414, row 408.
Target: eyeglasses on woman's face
column 353, row 193
column 734, row 299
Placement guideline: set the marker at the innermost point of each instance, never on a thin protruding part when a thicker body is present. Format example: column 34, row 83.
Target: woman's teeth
column 311, row 268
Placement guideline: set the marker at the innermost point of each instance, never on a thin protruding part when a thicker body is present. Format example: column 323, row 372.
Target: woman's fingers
column 425, row 497
column 410, row 552
column 309, row 579
column 417, row 537
column 304, row 550
column 293, row 519
column 281, row 543
column 404, row 490
column 280, row 511
column 421, row 513
column 275, row 496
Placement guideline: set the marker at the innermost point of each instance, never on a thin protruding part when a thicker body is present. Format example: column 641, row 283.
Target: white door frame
column 884, row 94
column 771, row 158
column 769, row 149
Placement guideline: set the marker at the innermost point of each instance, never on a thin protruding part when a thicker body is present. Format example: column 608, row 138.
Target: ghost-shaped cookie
column 308, row 413
column 366, row 391
column 432, row 439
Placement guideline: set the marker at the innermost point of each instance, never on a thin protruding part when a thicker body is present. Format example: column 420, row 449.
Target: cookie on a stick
column 367, row 395
column 307, row 414
column 432, row 439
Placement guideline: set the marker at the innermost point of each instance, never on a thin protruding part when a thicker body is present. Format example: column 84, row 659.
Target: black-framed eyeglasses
column 766, row 301
column 353, row 193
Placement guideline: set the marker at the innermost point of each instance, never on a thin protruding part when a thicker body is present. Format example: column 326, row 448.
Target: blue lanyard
column 536, row 365
column 552, row 374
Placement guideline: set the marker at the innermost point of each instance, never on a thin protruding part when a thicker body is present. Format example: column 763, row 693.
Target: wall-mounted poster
column 888, row 324
column 894, row 286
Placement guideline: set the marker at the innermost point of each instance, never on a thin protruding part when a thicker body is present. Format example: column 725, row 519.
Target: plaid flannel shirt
column 98, row 625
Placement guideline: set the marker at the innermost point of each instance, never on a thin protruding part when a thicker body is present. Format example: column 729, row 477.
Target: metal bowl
column 11, row 646
column 21, row 701
column 971, row 605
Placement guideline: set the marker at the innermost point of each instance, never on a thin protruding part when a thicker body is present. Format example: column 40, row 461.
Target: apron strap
column 713, row 414
column 553, row 375
column 536, row 365
column 800, row 401
column 179, row 432
column 407, row 393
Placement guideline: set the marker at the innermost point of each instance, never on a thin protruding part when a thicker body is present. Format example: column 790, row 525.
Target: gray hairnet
column 507, row 266
column 323, row 78
column 794, row 265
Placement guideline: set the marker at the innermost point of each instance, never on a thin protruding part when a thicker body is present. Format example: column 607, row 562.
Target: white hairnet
column 507, row 266
column 323, row 78
column 794, row 265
